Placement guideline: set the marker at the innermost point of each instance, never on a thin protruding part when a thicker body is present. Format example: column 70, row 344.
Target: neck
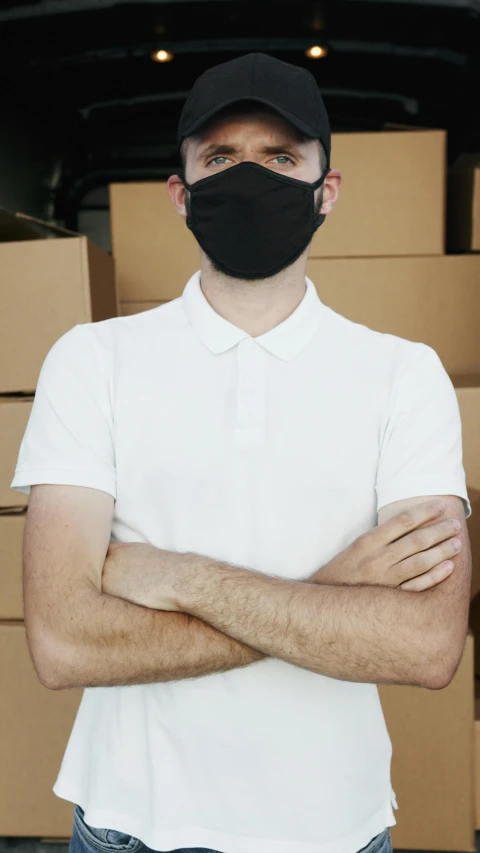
column 258, row 305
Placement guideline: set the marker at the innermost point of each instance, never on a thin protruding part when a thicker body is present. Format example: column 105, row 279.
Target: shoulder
column 375, row 350
column 131, row 330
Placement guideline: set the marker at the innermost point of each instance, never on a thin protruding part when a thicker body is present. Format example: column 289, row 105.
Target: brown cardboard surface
column 435, row 300
column 463, row 209
column 48, row 286
column 155, row 253
column 12, row 526
column 14, row 414
column 477, row 753
column 103, row 292
column 468, row 396
column 374, row 214
column 432, row 734
column 136, row 307
column 35, row 723
column 474, row 622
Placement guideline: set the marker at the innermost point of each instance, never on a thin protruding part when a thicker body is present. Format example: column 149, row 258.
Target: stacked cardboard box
column 463, row 212
column 52, row 279
column 379, row 259
column 477, row 750
column 463, row 235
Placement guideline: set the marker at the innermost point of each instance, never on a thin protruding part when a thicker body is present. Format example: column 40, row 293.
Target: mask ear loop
column 319, row 217
column 321, row 179
column 181, row 175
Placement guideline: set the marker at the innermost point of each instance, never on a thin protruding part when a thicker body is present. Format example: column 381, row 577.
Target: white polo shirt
column 272, row 453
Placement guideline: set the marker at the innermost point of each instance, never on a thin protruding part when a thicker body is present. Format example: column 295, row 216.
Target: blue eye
column 214, row 159
column 283, row 157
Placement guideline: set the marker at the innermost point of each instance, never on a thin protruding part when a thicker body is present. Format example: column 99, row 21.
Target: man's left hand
column 144, row 574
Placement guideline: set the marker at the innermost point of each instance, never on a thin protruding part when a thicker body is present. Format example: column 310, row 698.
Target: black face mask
column 251, row 221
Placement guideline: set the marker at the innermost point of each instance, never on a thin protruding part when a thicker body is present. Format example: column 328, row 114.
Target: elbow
column 45, row 658
column 53, row 674
column 49, row 676
column 438, row 680
column 440, row 671
column 49, row 682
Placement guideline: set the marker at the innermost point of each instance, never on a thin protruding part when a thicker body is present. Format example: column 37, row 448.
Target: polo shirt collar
column 283, row 341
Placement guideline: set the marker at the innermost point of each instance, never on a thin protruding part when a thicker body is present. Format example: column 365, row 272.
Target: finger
column 436, row 539
column 429, row 579
column 406, row 521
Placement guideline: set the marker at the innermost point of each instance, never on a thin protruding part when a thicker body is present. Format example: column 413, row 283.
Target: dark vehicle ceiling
column 84, row 68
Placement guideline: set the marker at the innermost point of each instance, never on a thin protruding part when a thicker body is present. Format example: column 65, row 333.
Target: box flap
column 12, row 228
column 20, row 226
column 49, row 226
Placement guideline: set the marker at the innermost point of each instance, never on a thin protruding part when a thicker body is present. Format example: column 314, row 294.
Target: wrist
column 191, row 576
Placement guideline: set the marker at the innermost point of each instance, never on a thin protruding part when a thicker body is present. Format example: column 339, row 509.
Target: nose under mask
column 251, row 221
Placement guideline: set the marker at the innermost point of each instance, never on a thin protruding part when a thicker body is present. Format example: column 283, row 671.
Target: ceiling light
column 162, row 56
column 316, row 52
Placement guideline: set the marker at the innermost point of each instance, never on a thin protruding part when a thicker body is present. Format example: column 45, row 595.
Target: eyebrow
column 221, row 150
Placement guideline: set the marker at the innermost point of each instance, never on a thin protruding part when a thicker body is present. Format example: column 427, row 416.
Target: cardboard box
column 155, row 253
column 435, row 300
column 433, row 773
column 12, row 527
column 392, row 199
column 392, row 202
column 14, row 415
column 35, row 724
column 52, row 279
column 463, row 208
column 468, row 395
column 477, row 753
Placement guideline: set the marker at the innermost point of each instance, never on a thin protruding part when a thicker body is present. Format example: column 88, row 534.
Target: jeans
column 88, row 839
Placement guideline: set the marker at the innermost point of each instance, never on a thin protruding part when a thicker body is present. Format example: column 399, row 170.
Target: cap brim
column 302, row 126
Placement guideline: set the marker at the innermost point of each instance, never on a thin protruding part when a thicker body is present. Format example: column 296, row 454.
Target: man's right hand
column 397, row 553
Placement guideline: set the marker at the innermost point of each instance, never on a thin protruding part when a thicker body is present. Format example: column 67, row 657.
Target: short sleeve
column 69, row 435
column 421, row 451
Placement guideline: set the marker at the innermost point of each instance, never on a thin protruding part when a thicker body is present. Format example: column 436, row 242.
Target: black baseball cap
column 288, row 89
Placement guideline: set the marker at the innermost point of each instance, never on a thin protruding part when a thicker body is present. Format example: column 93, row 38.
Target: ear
column 331, row 190
column 176, row 191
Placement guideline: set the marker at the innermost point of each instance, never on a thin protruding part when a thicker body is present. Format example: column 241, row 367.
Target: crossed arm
column 232, row 616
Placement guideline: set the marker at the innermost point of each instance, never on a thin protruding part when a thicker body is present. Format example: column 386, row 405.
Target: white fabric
column 272, row 453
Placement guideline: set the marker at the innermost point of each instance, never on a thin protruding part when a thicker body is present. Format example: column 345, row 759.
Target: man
column 239, row 443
